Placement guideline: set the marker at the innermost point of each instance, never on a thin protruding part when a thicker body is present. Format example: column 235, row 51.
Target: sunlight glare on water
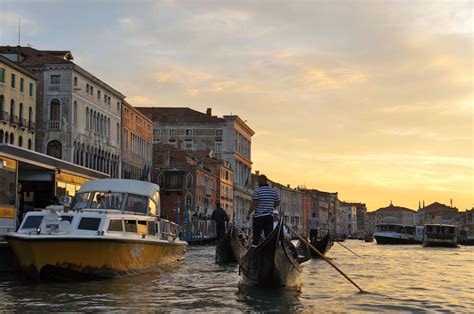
column 397, row 278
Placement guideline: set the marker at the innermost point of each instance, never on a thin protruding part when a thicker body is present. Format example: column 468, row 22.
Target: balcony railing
column 13, row 119
column 54, row 125
column 22, row 122
column 4, row 116
column 31, row 125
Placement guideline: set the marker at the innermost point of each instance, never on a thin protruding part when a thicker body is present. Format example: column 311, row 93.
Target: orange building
column 137, row 144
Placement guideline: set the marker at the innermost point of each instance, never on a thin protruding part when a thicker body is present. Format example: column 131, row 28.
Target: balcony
column 4, row 116
column 14, row 120
column 208, row 192
column 53, row 125
column 22, row 123
column 31, row 126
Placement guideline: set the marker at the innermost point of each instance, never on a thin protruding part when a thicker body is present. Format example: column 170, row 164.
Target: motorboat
column 396, row 234
column 440, row 235
column 112, row 228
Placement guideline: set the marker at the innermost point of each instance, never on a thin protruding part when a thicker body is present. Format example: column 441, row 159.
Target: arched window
column 189, row 181
column 1, row 136
column 6, row 138
column 12, row 138
column 55, row 110
column 75, row 112
column 188, row 201
column 2, row 105
column 20, row 141
column 118, row 132
column 29, row 144
column 12, row 110
column 54, row 149
column 87, row 118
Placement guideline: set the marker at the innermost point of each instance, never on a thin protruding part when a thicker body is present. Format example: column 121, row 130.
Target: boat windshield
column 80, row 201
column 107, row 200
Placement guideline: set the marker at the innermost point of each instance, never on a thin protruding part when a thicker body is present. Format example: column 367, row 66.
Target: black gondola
column 322, row 246
column 272, row 263
column 231, row 247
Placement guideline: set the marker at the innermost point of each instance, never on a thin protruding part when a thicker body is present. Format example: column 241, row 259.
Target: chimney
column 257, row 173
column 209, row 111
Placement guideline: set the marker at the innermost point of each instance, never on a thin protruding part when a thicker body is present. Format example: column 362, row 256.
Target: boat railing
column 198, row 228
column 169, row 230
column 440, row 236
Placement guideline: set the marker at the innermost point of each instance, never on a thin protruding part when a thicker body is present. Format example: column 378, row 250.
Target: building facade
column 350, row 218
column 17, row 105
column 395, row 215
column 228, row 138
column 437, row 213
column 137, row 144
column 78, row 115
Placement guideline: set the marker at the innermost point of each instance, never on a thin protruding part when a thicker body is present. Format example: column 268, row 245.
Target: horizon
column 368, row 99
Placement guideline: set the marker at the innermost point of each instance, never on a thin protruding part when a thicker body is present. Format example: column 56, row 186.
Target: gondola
column 322, row 246
column 272, row 263
column 231, row 247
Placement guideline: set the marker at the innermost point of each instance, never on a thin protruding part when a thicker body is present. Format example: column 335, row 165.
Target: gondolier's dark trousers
column 220, row 230
column 264, row 223
column 313, row 235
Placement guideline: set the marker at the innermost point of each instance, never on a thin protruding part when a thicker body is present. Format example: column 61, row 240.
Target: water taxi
column 112, row 228
column 467, row 235
column 440, row 235
column 396, row 234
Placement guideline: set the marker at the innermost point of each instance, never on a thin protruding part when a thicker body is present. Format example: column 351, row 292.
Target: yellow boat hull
column 76, row 259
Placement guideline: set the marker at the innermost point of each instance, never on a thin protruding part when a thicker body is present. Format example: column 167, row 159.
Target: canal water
column 396, row 278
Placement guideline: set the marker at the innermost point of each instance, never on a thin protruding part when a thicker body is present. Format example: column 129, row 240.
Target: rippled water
column 397, row 278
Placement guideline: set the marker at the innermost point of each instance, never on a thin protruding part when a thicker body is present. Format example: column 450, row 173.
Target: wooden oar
column 323, row 257
column 348, row 249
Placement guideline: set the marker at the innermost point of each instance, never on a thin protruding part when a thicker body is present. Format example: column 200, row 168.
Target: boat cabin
column 440, row 235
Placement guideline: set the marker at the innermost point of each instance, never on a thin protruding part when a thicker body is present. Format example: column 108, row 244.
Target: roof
column 34, row 57
column 392, row 207
column 120, row 185
column 178, row 115
column 437, row 206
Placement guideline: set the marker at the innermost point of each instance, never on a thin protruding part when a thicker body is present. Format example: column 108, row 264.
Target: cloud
column 9, row 23
column 140, row 101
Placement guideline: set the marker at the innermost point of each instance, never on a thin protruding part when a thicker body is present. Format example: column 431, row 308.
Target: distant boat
column 323, row 246
column 440, row 235
column 467, row 235
column 272, row 263
column 396, row 234
column 231, row 247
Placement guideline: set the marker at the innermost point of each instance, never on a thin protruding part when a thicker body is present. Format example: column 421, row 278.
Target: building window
column 55, row 79
column 30, row 115
column 98, row 94
column 92, row 90
column 54, row 110
column 13, row 80
column 29, row 144
column 87, row 88
column 21, row 111
column 218, row 146
column 75, row 112
column 189, row 132
column 12, row 110
column 105, row 98
column 118, row 106
column 87, row 118
column 31, row 89
column 22, row 84
column 54, row 149
column 2, row 75
column 118, row 132
column 173, row 132
column 12, row 138
column 20, row 141
column 218, row 132
column 75, row 81
column 189, row 145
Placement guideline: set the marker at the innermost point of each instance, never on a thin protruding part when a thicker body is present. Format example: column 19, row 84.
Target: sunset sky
column 372, row 99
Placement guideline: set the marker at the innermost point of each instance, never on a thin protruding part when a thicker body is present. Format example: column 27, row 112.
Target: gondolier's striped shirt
column 266, row 198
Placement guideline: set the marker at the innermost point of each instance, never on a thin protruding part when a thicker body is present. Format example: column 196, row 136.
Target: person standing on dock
column 313, row 228
column 220, row 216
column 265, row 200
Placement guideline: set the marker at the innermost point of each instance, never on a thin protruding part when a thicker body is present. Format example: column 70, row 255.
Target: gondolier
column 265, row 200
column 313, row 228
column 220, row 216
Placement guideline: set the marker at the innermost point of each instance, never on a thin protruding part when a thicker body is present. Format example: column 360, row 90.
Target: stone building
column 184, row 181
column 395, row 215
column 137, row 144
column 350, row 218
column 437, row 213
column 17, row 104
column 228, row 138
column 77, row 114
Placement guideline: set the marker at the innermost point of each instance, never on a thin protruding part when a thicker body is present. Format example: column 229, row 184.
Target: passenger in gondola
column 313, row 228
column 286, row 234
column 265, row 200
column 220, row 216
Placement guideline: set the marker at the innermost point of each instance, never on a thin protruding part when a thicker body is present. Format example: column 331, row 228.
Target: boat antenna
column 323, row 257
column 19, row 30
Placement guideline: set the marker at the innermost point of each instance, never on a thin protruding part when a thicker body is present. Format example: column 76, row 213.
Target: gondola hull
column 230, row 248
column 271, row 264
column 323, row 246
